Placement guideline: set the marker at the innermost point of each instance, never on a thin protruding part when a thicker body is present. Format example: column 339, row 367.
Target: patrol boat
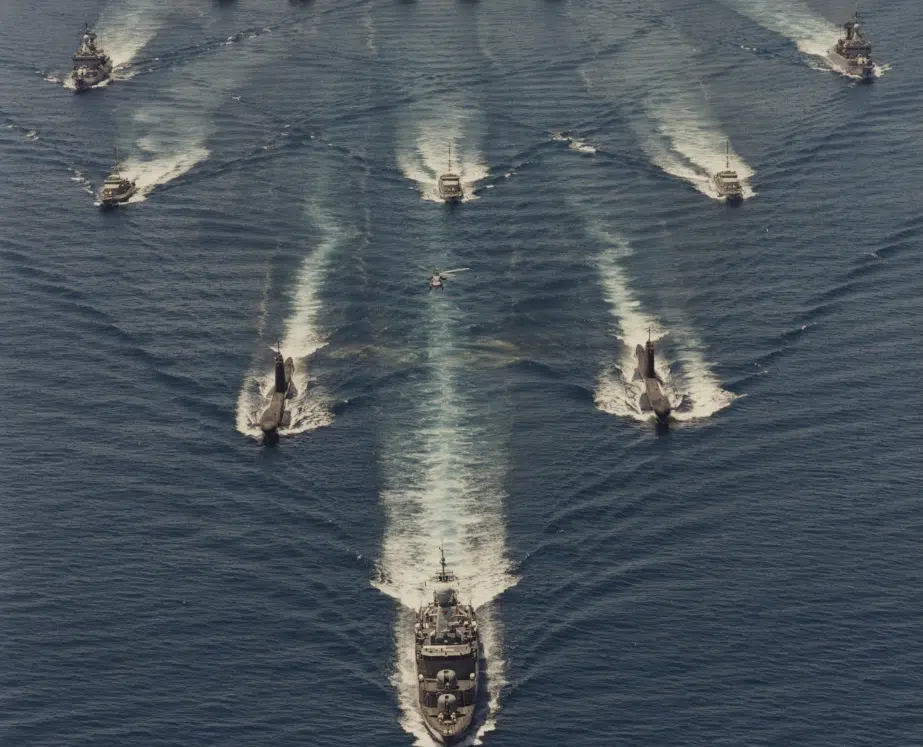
column 726, row 182
column 853, row 52
column 450, row 188
column 116, row 188
column 91, row 64
column 447, row 652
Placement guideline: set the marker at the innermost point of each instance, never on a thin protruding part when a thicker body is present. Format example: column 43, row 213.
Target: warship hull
column 864, row 70
column 456, row 737
column 86, row 81
column 113, row 201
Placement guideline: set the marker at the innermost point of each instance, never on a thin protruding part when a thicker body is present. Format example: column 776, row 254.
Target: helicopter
column 438, row 277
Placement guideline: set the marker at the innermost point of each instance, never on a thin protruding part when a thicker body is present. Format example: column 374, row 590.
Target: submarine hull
column 271, row 419
column 652, row 399
column 275, row 416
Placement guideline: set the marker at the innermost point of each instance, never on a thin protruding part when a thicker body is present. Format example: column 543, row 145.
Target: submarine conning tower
column 649, row 360
column 281, row 383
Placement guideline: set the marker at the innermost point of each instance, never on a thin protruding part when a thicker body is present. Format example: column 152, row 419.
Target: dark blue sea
column 749, row 574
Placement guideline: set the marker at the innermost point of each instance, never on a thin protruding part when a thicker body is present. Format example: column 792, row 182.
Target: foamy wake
column 423, row 148
column 682, row 139
column 813, row 34
column 302, row 337
column 126, row 26
column 574, row 144
column 79, row 178
column 693, row 390
column 160, row 169
column 444, row 485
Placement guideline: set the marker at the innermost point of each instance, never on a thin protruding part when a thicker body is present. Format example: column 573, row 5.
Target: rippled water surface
column 747, row 575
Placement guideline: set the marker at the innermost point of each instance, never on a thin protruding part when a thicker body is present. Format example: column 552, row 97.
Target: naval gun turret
column 447, row 648
column 275, row 415
column 652, row 396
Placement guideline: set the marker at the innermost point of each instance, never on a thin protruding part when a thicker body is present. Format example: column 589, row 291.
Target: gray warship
column 275, row 415
column 652, row 398
column 91, row 64
column 726, row 182
column 450, row 188
column 116, row 188
column 447, row 656
column 853, row 52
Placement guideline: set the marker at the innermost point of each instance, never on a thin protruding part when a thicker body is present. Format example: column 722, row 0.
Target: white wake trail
column 813, row 34
column 443, row 485
column 689, row 383
column 683, row 139
column 302, row 337
column 423, row 147
column 126, row 26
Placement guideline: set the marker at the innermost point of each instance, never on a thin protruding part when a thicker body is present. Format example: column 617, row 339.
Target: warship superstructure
column 450, row 187
column 727, row 182
column 91, row 64
column 853, row 52
column 447, row 653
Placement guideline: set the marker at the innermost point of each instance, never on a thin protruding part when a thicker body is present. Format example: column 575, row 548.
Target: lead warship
column 447, row 653
column 853, row 52
column 91, row 64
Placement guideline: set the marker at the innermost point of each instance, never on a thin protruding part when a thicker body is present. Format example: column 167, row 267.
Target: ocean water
column 749, row 575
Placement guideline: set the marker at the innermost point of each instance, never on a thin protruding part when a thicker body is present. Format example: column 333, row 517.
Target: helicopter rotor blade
column 459, row 269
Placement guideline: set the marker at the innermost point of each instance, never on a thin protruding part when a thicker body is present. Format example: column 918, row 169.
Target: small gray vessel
column 726, row 182
column 652, row 397
column 275, row 415
column 450, row 187
column 447, row 655
column 91, row 64
column 853, row 52
column 116, row 188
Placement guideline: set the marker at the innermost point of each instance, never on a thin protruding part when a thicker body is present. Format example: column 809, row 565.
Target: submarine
column 275, row 416
column 652, row 398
